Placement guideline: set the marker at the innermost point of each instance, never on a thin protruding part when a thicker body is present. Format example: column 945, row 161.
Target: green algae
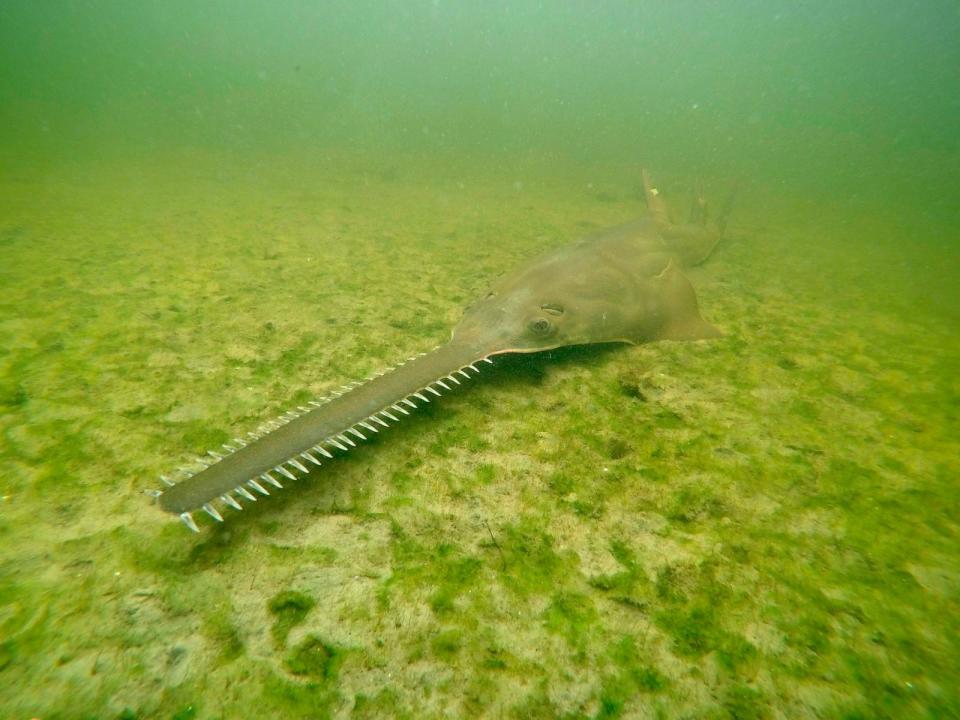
column 315, row 659
column 742, row 702
column 447, row 644
column 443, row 571
column 282, row 698
column 571, row 615
column 290, row 608
column 731, row 530
column 385, row 703
column 630, row 586
column 531, row 563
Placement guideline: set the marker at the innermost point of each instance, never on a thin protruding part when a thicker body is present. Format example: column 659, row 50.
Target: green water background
column 212, row 211
column 857, row 100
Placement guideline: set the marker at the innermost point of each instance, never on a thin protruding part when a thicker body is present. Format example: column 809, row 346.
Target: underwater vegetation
column 758, row 526
column 212, row 213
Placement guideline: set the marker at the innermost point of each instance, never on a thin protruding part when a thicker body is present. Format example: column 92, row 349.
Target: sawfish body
column 623, row 284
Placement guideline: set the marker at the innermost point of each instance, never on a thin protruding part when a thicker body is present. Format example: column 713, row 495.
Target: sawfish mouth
column 295, row 443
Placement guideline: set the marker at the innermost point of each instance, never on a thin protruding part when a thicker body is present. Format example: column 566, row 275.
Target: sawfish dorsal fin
column 695, row 240
column 682, row 315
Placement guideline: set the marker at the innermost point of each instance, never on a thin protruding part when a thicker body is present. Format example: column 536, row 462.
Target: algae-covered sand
column 760, row 526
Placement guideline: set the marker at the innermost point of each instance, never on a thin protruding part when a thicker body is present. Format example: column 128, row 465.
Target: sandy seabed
column 759, row 526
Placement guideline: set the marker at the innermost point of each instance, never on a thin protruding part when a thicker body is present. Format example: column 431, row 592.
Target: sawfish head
column 616, row 289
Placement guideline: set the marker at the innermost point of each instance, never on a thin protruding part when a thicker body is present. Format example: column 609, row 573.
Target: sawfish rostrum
column 623, row 284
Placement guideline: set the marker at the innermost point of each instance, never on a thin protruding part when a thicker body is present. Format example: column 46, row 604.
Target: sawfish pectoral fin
column 691, row 328
column 681, row 319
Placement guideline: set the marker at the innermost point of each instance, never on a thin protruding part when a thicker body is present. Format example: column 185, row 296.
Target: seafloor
column 764, row 525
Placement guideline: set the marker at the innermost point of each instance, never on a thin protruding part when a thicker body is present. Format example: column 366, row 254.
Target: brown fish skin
column 623, row 284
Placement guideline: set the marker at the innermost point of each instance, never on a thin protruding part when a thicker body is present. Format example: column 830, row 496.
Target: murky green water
column 213, row 212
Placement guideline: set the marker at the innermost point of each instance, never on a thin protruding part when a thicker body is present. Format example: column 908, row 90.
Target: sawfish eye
column 540, row 326
column 552, row 308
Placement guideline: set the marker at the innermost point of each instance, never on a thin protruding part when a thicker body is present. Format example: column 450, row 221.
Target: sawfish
column 624, row 284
